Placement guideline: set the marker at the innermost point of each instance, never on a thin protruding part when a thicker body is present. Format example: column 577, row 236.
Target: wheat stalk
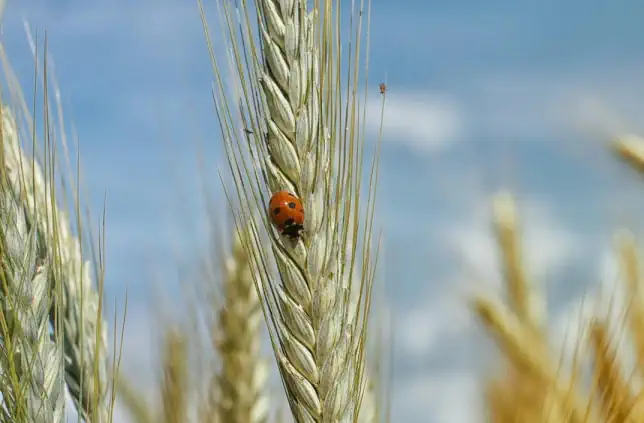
column 31, row 365
column 299, row 138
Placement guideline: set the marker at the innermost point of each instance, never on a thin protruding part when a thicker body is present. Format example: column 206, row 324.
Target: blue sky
column 481, row 97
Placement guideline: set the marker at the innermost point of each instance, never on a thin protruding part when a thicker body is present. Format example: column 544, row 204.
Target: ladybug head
column 293, row 231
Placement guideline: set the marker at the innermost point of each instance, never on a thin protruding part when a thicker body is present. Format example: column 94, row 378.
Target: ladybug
column 287, row 213
column 383, row 88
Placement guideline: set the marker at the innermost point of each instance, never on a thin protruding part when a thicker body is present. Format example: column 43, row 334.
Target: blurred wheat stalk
column 233, row 377
column 534, row 386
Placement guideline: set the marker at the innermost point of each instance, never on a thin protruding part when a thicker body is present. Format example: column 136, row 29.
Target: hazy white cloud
column 440, row 397
column 546, row 243
column 518, row 105
column 423, row 328
column 599, row 101
column 154, row 21
column 424, row 122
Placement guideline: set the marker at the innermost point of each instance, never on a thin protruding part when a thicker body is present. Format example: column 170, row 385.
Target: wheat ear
column 31, row 365
column 173, row 405
column 295, row 133
column 174, row 388
column 79, row 323
column 241, row 383
column 529, row 356
column 523, row 300
column 81, row 328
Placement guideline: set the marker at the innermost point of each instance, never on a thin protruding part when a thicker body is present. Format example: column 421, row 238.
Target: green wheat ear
column 31, row 363
column 73, row 302
column 286, row 126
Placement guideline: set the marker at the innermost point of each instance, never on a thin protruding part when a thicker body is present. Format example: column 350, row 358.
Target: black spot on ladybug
column 289, row 222
column 291, row 205
column 276, row 210
column 291, row 194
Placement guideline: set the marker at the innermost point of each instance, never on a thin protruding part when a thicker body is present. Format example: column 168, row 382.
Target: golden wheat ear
column 285, row 126
column 537, row 389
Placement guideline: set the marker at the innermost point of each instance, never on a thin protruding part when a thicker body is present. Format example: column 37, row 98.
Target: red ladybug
column 287, row 213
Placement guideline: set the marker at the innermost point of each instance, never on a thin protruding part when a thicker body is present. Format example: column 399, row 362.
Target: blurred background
column 481, row 97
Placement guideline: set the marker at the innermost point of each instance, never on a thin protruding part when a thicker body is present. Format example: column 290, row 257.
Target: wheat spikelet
column 174, row 404
column 616, row 400
column 514, row 398
column 522, row 299
column 174, row 391
column 630, row 148
column 31, row 367
column 241, row 382
column 630, row 269
column 175, row 383
column 298, row 141
column 81, row 325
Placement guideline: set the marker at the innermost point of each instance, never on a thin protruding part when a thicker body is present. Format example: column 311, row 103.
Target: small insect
column 287, row 214
column 383, row 88
column 248, row 131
